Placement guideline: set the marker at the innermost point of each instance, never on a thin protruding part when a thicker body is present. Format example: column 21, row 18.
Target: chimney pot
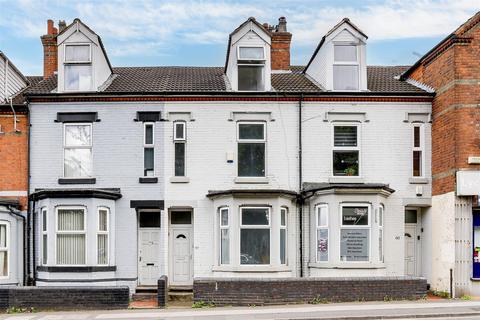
column 61, row 25
column 282, row 24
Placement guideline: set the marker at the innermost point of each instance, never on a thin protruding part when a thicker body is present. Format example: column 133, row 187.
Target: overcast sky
column 195, row 33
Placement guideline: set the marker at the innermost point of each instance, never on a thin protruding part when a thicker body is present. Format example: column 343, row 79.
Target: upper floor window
column 77, row 145
column 179, row 140
column 251, row 68
column 345, row 150
column 418, row 153
column 148, row 149
column 251, row 149
column 345, row 67
column 78, row 67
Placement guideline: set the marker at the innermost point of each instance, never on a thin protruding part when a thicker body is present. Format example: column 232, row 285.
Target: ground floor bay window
column 70, row 238
column 4, row 248
column 255, row 236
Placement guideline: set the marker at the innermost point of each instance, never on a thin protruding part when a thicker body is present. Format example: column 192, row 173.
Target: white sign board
column 468, row 183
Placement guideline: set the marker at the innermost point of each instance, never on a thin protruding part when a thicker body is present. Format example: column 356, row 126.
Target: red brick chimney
column 280, row 49
column 50, row 56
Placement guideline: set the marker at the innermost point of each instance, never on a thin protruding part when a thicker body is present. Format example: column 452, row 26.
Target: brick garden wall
column 65, row 298
column 308, row 290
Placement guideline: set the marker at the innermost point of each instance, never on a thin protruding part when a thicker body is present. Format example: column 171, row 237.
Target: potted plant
column 350, row 171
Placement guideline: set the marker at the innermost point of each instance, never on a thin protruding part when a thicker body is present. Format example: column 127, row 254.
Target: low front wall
column 306, row 290
column 65, row 298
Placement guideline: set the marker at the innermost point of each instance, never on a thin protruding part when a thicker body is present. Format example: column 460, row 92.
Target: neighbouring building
column 14, row 129
column 452, row 70
column 254, row 169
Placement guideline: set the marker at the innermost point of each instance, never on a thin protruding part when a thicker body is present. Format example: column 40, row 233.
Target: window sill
column 179, row 179
column 346, row 265
column 148, row 180
column 251, row 269
column 346, row 179
column 76, row 268
column 418, row 180
column 255, row 180
column 77, row 180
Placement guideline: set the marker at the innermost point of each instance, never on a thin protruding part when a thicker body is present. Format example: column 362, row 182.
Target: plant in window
column 351, row 171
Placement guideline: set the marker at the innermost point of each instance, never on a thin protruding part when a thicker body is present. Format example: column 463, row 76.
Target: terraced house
column 253, row 169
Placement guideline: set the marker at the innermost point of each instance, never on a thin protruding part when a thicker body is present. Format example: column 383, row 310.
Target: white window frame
column 368, row 226
column 357, row 148
column 256, row 65
column 240, row 58
column 7, row 247
column 84, row 232
column 65, row 147
column 66, row 62
column 178, row 141
column 346, row 63
column 283, row 227
column 264, row 141
column 103, row 232
column 420, row 148
column 44, row 216
column 148, row 145
column 224, row 227
column 322, row 227
column 381, row 223
column 242, row 226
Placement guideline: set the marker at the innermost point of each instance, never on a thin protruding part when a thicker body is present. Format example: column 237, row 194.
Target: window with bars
column 44, row 236
column 78, row 67
column 179, row 141
column 283, row 235
column 224, row 236
column 4, row 249
column 148, row 149
column 102, row 236
column 346, row 150
column 251, row 149
column 322, row 233
column 70, row 236
column 345, row 67
column 417, row 152
column 77, row 148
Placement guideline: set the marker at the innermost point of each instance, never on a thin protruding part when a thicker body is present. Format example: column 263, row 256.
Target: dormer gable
column 83, row 63
column 12, row 81
column 248, row 63
column 339, row 61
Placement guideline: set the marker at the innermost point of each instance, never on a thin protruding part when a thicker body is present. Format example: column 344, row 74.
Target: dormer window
column 251, row 68
column 78, row 67
column 345, row 67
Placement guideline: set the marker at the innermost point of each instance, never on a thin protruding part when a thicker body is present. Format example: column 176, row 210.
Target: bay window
column 224, row 236
column 4, row 248
column 283, row 235
column 322, row 232
column 255, row 236
column 102, row 236
column 355, row 233
column 71, row 236
column 44, row 236
column 77, row 148
column 251, row 68
column 380, row 232
column 251, row 149
column 417, row 152
column 180, row 140
column 148, row 149
column 345, row 67
column 346, row 150
column 78, row 67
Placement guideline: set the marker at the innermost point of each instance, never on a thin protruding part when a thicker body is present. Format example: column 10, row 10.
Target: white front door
column 410, row 249
column 181, row 248
column 148, row 248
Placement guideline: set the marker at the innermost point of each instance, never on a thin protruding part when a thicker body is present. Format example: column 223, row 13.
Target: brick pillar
column 162, row 294
column 50, row 56
column 280, row 49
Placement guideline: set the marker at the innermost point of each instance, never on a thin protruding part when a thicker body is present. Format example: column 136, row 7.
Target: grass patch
column 202, row 304
column 318, row 300
column 441, row 294
column 466, row 297
column 14, row 310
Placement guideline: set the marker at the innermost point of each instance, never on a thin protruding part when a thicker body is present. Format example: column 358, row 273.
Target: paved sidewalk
column 457, row 309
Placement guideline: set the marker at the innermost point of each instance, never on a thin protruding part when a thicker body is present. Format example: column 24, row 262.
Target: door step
column 185, row 296
column 145, row 296
column 146, row 289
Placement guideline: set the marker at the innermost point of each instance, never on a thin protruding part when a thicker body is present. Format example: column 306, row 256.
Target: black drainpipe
column 24, row 220
column 300, row 182
column 29, row 212
column 34, row 250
